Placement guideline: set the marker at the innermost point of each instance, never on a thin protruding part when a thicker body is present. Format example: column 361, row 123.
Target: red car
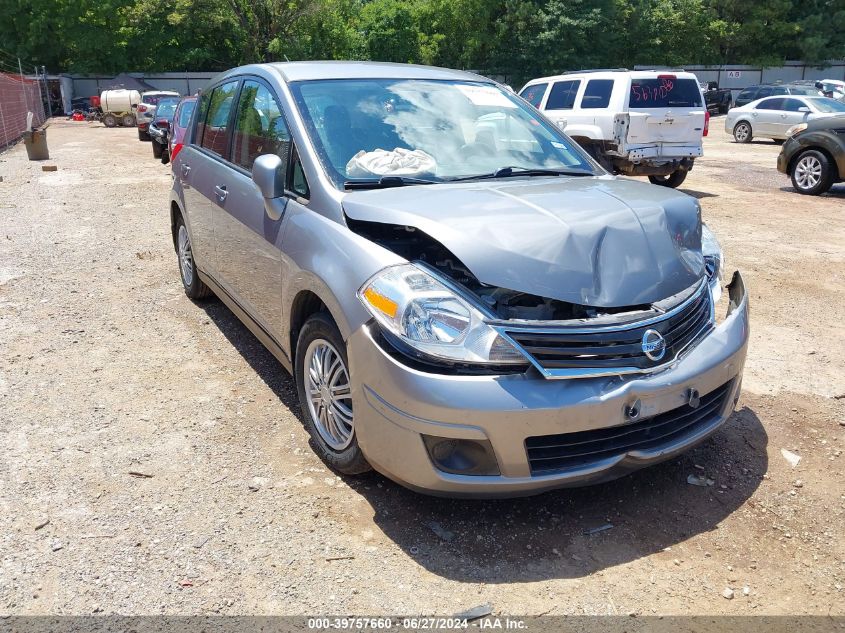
column 178, row 127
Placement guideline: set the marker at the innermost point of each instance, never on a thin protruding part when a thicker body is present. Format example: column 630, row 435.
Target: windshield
column 664, row 92
column 434, row 130
column 166, row 108
column 827, row 105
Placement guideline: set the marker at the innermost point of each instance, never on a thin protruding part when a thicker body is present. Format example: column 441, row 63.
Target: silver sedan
column 772, row 117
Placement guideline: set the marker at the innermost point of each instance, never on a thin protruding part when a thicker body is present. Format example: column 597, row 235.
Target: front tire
column 191, row 282
column 324, row 388
column 144, row 136
column 743, row 132
column 812, row 174
column 157, row 149
column 673, row 180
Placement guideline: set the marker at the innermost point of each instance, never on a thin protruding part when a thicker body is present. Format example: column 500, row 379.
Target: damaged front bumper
column 523, row 434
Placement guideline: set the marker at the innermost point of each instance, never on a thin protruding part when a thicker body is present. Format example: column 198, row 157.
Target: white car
column 637, row 123
column 772, row 117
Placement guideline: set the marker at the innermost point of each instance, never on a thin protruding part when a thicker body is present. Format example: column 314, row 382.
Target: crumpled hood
column 596, row 241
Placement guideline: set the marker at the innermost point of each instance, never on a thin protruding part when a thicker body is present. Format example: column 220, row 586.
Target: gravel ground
column 107, row 369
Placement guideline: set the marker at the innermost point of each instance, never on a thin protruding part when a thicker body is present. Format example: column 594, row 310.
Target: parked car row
column 166, row 117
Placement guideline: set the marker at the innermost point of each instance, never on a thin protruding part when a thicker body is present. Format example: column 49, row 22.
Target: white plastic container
column 121, row 100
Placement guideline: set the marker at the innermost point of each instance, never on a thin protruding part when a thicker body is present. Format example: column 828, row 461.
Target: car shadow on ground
column 837, row 191
column 698, row 194
column 253, row 352
column 549, row 535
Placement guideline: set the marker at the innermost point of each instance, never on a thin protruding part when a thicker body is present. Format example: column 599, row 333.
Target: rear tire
column 743, row 132
column 109, row 120
column 191, row 282
column 128, row 120
column 812, row 173
column 144, row 136
column 673, row 180
column 323, row 385
column 157, row 149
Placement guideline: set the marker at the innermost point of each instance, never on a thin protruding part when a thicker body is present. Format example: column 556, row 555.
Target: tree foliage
column 513, row 38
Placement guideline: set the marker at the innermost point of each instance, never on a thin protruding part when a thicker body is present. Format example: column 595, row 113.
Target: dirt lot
column 106, row 369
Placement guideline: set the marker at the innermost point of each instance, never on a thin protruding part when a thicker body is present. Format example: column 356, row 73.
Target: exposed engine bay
column 417, row 246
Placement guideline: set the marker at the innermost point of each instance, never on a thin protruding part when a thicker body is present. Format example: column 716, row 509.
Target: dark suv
column 752, row 93
column 814, row 155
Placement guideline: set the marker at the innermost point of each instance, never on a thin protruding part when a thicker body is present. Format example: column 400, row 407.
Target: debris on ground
column 699, row 480
column 728, row 593
column 42, row 524
column 140, row 475
column 601, row 528
column 476, row 612
column 49, row 168
column 440, row 531
column 791, row 457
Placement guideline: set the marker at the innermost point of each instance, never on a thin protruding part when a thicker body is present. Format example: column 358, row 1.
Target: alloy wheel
column 808, row 172
column 329, row 394
column 741, row 132
column 186, row 257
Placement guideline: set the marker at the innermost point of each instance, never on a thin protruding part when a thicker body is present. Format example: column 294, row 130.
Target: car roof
column 577, row 74
column 315, row 70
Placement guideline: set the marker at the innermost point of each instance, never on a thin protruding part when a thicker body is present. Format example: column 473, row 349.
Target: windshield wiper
column 386, row 181
column 509, row 172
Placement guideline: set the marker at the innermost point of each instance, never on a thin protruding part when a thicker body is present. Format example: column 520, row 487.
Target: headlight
column 714, row 261
column 424, row 314
column 795, row 129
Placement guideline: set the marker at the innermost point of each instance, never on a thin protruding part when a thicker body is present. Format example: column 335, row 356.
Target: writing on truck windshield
column 664, row 92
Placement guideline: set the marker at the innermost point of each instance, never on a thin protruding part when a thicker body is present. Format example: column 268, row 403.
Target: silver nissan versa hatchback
column 468, row 303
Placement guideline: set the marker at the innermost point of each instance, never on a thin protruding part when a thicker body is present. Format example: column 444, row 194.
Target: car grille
column 549, row 454
column 574, row 351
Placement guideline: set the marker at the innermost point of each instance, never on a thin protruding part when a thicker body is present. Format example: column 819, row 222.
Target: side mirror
column 268, row 176
column 803, row 109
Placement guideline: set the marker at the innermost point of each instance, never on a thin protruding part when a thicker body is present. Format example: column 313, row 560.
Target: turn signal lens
column 381, row 303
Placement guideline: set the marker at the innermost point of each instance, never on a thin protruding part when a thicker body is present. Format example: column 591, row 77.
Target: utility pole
column 23, row 86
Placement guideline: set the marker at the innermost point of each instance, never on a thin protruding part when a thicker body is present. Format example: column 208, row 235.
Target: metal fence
column 737, row 77
column 17, row 98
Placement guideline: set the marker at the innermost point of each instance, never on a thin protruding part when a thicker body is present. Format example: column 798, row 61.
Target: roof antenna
column 286, row 58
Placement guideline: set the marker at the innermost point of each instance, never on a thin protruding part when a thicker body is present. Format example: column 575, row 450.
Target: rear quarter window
column 665, row 92
column 597, row 93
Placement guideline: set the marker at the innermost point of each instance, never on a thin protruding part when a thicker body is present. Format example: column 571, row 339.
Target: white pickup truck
column 637, row 123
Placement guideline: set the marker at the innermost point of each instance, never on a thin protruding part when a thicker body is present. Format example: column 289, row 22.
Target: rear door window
column 597, row 93
column 562, row 96
column 260, row 127
column 213, row 120
column 780, row 91
column 534, row 94
column 764, row 91
column 665, row 92
column 775, row 103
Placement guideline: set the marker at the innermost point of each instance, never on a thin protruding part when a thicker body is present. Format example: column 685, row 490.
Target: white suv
column 638, row 123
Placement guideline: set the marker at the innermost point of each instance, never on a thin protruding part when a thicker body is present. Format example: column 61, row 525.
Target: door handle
column 186, row 169
column 220, row 192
